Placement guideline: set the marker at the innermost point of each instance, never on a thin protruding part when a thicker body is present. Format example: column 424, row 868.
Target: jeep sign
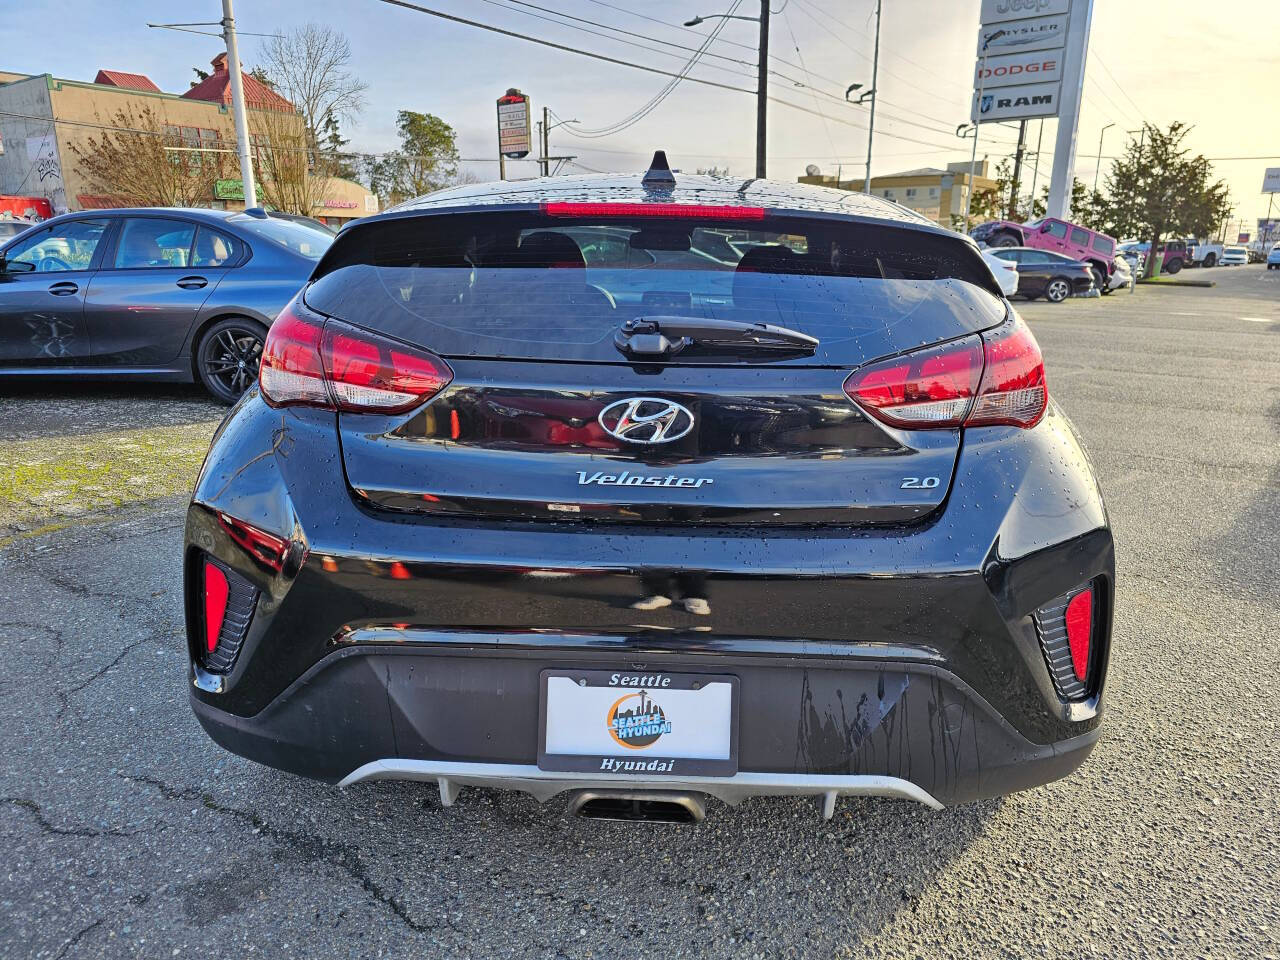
column 998, row 11
column 1045, row 67
column 1016, row 103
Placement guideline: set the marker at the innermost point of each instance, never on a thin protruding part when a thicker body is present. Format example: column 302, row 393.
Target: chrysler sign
column 1016, row 103
column 1041, row 33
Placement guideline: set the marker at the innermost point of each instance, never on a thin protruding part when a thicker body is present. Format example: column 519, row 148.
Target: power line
column 655, row 100
column 419, row 8
column 826, row 127
column 502, row 5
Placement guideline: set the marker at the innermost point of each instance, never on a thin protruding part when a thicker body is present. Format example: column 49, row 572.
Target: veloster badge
column 628, row 479
column 646, row 420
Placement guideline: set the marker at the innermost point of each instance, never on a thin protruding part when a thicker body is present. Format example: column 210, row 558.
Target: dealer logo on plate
column 635, row 721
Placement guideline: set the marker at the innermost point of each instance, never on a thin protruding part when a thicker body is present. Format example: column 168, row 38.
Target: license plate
column 639, row 724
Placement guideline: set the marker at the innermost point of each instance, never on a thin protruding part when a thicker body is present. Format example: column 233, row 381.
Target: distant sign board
column 1271, row 180
column 1016, row 103
column 998, row 11
column 514, row 136
column 1043, row 67
column 1242, row 238
column 1020, row 36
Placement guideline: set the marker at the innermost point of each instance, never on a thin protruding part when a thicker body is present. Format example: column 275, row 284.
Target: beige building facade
column 44, row 120
column 938, row 194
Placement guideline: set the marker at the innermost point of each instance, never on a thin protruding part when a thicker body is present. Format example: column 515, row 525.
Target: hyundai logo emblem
column 646, row 420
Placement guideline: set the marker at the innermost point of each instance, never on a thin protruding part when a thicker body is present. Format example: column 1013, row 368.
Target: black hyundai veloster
column 651, row 488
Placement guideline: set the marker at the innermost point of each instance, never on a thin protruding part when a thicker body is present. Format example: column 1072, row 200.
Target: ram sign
column 1044, row 67
column 1016, row 103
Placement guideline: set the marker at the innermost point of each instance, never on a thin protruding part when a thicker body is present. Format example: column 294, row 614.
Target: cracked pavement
column 127, row 833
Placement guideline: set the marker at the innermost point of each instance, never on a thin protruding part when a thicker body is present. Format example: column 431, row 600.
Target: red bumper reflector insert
column 1079, row 619
column 678, row 211
column 215, row 604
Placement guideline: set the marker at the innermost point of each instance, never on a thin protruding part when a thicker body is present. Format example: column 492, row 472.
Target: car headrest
column 546, row 248
column 748, row 282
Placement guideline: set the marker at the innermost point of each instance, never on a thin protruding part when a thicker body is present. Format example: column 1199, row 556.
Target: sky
column 1152, row 60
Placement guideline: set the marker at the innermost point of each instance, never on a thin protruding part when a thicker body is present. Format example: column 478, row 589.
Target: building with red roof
column 216, row 88
column 127, row 81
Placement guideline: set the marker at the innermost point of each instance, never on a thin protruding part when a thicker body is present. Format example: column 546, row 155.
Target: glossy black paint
column 419, row 590
column 143, row 322
column 513, row 441
column 950, row 597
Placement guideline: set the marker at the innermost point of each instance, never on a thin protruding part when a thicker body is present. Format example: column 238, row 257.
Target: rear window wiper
column 663, row 336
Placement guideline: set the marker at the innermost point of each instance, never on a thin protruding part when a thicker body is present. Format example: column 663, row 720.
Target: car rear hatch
column 605, row 363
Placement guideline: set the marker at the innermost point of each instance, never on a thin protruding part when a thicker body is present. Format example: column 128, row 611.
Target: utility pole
column 762, row 93
column 237, row 107
column 1017, row 170
column 1035, row 171
column 546, row 141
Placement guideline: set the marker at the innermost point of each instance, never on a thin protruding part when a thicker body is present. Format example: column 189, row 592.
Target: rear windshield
column 528, row 285
column 298, row 238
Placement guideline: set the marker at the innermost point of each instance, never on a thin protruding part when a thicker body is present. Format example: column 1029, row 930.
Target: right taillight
column 994, row 378
column 310, row 360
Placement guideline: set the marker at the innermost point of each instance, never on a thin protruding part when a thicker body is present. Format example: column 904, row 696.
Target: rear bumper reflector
column 233, row 598
column 1065, row 629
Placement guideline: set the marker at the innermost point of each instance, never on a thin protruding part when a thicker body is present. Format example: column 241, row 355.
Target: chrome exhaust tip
column 649, row 806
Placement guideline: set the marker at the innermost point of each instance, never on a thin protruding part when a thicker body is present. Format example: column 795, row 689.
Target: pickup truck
column 1207, row 254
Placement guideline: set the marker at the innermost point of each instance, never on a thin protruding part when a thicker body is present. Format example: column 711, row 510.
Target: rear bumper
column 466, row 712
column 900, row 661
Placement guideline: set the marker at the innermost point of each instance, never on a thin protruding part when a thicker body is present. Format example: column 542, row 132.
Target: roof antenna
column 659, row 171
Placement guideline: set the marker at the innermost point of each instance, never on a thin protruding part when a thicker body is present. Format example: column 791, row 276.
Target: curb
column 1161, row 282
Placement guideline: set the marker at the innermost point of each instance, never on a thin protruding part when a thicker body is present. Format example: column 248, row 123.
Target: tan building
column 929, row 191
column 43, row 120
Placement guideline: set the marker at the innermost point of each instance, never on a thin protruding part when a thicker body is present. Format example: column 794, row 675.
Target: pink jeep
column 1048, row 233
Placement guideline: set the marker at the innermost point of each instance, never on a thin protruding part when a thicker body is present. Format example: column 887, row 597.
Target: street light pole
column 237, row 107
column 1099, row 167
column 762, row 69
column 977, row 126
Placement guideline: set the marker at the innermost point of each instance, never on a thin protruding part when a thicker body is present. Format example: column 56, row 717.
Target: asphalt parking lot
column 127, row 833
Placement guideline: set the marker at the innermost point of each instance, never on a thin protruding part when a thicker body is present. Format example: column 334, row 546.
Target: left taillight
column 993, row 378
column 310, row 360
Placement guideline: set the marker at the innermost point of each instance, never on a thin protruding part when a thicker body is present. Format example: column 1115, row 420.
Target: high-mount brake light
column 313, row 361
column 982, row 380
column 676, row 211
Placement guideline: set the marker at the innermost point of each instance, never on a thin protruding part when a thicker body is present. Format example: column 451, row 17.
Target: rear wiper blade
column 666, row 336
